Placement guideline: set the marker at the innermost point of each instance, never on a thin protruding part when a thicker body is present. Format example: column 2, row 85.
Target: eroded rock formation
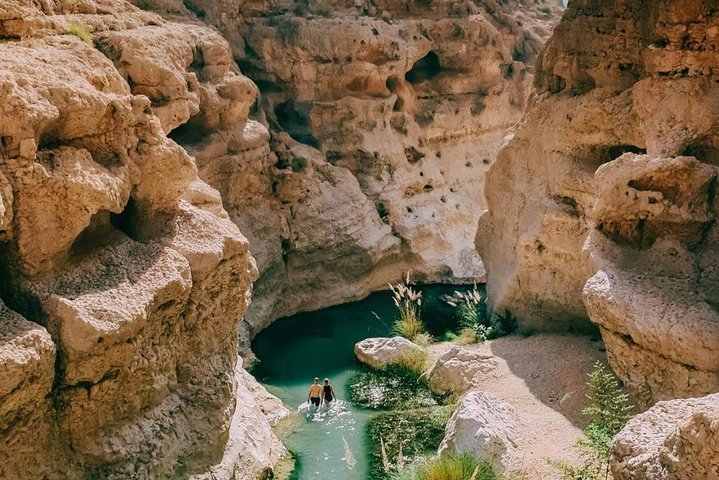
column 384, row 117
column 674, row 440
column 603, row 205
column 123, row 280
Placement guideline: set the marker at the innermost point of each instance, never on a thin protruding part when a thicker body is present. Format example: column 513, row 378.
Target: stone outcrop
column 602, row 205
column 380, row 352
column 122, row 278
column 375, row 125
column 674, row 440
column 459, row 369
column 482, row 426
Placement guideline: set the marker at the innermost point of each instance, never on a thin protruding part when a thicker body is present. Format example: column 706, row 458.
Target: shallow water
column 294, row 350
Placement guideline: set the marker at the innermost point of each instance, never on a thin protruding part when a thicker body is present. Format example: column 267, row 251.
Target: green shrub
column 299, row 164
column 406, row 436
column 409, row 305
column 417, row 361
column 80, row 32
column 474, row 320
column 609, row 409
column 448, row 467
column 396, row 387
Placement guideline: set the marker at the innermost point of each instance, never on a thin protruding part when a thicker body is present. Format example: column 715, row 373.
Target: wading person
column 328, row 393
column 315, row 394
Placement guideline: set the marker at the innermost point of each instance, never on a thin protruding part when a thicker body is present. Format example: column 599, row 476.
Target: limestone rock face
column 381, row 352
column 123, row 276
column 457, row 370
column 383, row 120
column 483, row 426
column 674, row 440
column 612, row 216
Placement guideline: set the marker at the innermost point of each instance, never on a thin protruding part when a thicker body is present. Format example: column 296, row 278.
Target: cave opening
column 292, row 119
column 426, row 68
column 702, row 152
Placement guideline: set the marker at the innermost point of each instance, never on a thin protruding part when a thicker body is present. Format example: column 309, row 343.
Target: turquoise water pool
column 330, row 443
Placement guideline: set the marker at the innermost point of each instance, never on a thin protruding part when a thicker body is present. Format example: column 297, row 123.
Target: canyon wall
column 122, row 280
column 603, row 204
column 375, row 125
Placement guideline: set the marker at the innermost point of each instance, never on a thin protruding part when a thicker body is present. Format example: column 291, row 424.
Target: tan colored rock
column 27, row 368
column 407, row 106
column 113, row 244
column 381, row 352
column 619, row 197
column 459, row 369
column 674, row 440
column 482, row 426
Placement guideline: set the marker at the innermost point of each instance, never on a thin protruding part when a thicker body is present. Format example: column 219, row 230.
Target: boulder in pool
column 482, row 426
column 459, row 369
column 382, row 351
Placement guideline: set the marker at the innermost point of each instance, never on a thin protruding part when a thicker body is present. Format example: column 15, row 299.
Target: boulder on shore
column 483, row 426
column 382, row 351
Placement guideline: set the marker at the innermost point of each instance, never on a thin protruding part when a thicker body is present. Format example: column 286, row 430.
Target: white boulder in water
column 482, row 426
column 382, row 351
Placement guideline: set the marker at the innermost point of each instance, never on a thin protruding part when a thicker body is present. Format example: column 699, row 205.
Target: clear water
column 294, row 350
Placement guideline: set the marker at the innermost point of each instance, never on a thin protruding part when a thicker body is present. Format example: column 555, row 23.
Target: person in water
column 328, row 393
column 315, row 394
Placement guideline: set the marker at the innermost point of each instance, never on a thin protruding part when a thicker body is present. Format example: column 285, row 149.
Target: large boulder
column 382, row 351
column 458, row 369
column 674, row 440
column 483, row 426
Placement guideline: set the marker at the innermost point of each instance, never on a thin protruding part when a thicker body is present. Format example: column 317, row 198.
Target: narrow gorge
column 177, row 175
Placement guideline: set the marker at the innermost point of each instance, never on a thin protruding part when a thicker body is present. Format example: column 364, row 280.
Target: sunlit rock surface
column 367, row 148
column 602, row 205
column 122, row 279
column 674, row 440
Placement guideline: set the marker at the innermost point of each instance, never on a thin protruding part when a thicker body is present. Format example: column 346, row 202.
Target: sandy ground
column 544, row 378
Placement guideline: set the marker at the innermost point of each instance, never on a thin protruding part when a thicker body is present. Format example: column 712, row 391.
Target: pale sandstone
column 483, row 426
column 673, row 440
column 620, row 196
column 459, row 369
column 112, row 244
column 382, row 352
column 407, row 106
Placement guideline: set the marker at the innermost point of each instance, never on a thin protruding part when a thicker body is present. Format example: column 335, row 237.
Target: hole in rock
column 704, row 153
column 598, row 155
column 128, row 220
column 426, row 68
column 293, row 119
column 392, row 84
column 189, row 133
column 97, row 234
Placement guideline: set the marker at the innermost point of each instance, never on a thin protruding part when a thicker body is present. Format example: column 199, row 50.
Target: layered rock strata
column 123, row 280
column 383, row 119
column 602, row 205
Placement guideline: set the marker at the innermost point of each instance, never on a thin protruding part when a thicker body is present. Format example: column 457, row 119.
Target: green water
column 294, row 350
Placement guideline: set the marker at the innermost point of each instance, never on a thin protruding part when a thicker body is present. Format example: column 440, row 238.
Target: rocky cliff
column 123, row 280
column 375, row 125
column 124, row 276
column 603, row 205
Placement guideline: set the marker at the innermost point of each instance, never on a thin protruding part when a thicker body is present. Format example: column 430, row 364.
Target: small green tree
column 609, row 410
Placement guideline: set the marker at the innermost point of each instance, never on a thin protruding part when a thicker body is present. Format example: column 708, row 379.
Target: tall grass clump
column 448, row 467
column 476, row 325
column 409, row 307
column 80, row 32
column 399, row 438
column 609, row 410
